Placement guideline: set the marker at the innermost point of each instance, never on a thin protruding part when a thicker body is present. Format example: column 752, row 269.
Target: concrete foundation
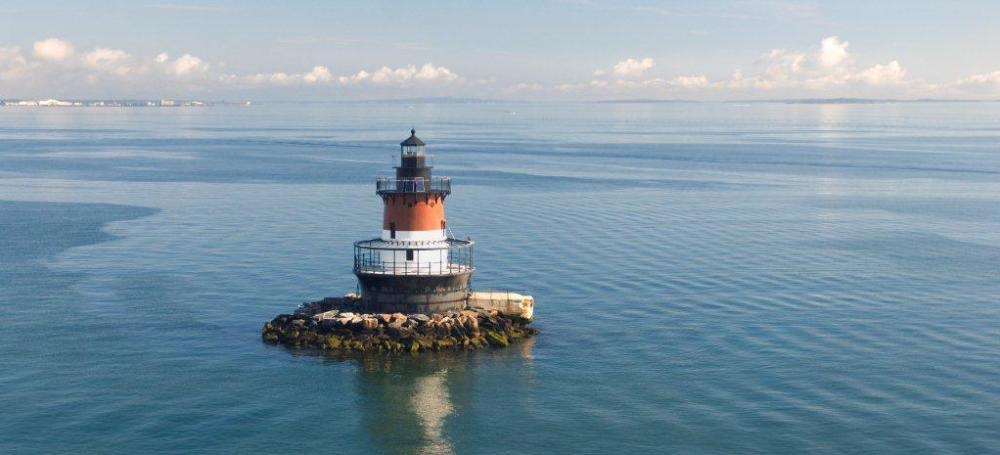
column 410, row 294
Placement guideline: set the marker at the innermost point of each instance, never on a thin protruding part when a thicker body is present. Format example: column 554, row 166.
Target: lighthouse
column 414, row 266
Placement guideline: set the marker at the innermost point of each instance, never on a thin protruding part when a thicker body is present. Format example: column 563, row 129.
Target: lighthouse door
column 392, row 230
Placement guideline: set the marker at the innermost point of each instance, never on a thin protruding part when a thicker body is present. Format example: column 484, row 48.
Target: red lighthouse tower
column 414, row 267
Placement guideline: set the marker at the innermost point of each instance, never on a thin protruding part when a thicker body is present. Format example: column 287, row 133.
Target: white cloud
column 53, row 49
column 13, row 65
column 525, row 87
column 830, row 67
column 384, row 76
column 188, row 64
column 402, row 76
column 648, row 83
column 103, row 56
column 833, row 52
column 55, row 66
column 109, row 60
column 689, row 81
column 632, row 67
column 977, row 84
column 784, row 65
column 318, row 74
column 429, row 72
column 989, row 79
column 888, row 74
column 355, row 78
column 279, row 78
column 825, row 70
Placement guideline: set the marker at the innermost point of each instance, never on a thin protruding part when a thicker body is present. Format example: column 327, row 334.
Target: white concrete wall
column 417, row 236
column 425, row 261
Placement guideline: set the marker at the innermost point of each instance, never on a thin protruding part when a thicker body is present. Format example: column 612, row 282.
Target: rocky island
column 340, row 324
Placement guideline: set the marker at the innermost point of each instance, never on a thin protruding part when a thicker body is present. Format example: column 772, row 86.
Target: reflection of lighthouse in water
column 419, row 404
column 414, row 267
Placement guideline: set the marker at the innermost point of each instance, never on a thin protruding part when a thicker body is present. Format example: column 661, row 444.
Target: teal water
column 710, row 278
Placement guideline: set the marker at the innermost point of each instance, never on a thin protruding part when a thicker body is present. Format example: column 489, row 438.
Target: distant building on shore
column 52, row 102
column 55, row 102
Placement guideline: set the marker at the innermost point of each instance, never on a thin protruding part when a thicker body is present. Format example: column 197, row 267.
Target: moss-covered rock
column 496, row 338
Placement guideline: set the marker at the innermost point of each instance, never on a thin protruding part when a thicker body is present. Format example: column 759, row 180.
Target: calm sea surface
column 710, row 278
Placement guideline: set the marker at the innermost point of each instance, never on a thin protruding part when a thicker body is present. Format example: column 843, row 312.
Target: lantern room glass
column 412, row 150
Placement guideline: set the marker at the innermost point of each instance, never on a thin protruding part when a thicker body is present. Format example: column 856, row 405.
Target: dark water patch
column 46, row 338
column 31, row 231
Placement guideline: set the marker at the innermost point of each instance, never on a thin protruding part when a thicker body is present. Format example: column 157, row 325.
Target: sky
column 518, row 50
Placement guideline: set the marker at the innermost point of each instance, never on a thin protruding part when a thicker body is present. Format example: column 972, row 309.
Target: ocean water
column 710, row 278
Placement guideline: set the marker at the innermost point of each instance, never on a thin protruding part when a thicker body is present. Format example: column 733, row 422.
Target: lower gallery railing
column 376, row 256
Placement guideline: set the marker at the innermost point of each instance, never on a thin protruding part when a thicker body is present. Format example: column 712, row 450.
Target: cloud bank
column 56, row 67
column 55, row 62
column 828, row 70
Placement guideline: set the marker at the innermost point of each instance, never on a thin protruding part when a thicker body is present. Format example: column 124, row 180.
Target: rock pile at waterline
column 337, row 324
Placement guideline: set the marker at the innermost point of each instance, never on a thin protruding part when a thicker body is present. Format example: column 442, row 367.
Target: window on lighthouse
column 413, row 150
column 409, row 255
column 392, row 230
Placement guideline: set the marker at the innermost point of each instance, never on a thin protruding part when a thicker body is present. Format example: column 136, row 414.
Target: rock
column 327, row 325
column 325, row 315
column 472, row 325
column 425, row 342
column 496, row 339
column 333, row 342
column 342, row 325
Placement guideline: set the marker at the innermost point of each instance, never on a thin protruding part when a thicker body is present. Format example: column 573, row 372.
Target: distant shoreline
column 52, row 102
column 22, row 102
